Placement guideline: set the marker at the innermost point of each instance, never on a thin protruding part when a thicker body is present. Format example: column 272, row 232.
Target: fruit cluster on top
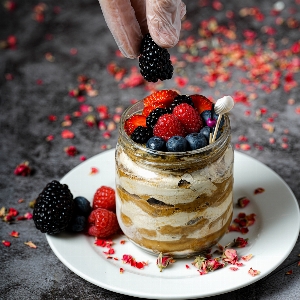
column 173, row 123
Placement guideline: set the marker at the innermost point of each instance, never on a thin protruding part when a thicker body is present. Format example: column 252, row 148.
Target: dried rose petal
column 67, row 134
column 6, row 243
column 163, row 261
column 23, row 169
column 71, row 150
column 121, row 270
column 253, row 272
column 94, row 171
column 243, row 202
column 247, row 257
column 31, row 244
column 14, row 234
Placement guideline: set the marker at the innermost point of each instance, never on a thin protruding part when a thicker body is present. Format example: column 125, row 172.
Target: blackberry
column 141, row 134
column 181, row 99
column 154, row 116
column 54, row 208
column 154, row 61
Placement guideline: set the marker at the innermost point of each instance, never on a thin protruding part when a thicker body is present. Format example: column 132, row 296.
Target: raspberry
column 154, row 61
column 181, row 99
column 133, row 122
column 167, row 126
column 189, row 117
column 102, row 223
column 105, row 197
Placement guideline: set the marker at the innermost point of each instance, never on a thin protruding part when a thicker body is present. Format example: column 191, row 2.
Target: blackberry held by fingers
column 54, row 207
column 154, row 61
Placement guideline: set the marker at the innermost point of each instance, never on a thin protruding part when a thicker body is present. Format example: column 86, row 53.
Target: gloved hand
column 129, row 20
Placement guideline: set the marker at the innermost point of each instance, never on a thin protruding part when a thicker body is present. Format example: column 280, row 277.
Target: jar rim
column 138, row 106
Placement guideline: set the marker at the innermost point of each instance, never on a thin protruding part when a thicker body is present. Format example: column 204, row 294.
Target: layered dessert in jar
column 174, row 174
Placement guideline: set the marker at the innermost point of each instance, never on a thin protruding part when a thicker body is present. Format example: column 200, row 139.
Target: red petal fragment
column 31, row 244
column 6, row 243
column 259, row 191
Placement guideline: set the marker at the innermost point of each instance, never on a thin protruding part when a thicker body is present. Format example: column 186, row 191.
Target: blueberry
column 206, row 132
column 78, row 223
column 196, row 140
column 82, row 206
column 156, row 143
column 206, row 115
column 177, row 144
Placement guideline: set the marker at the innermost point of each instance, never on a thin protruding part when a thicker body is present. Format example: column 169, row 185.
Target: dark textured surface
column 27, row 273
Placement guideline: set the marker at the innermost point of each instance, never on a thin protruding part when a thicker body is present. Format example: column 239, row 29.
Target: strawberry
column 201, row 103
column 188, row 117
column 105, row 197
column 102, row 223
column 148, row 109
column 167, row 126
column 161, row 99
column 133, row 122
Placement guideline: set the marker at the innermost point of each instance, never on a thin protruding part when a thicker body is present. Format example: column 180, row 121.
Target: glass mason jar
column 177, row 203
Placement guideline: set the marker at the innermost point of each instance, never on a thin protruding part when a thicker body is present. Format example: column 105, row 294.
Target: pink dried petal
column 253, row 272
column 23, row 169
column 71, row 150
column 14, row 234
column 247, row 257
column 243, row 202
column 94, row 171
column 28, row 215
column 6, row 243
column 233, row 268
column 31, row 244
column 67, row 134
column 259, row 190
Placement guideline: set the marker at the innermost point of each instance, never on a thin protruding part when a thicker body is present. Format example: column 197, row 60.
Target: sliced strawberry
column 167, row 126
column 164, row 97
column 133, row 122
column 188, row 117
column 147, row 110
column 201, row 103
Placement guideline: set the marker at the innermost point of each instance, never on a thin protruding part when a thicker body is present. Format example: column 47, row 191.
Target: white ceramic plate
column 271, row 238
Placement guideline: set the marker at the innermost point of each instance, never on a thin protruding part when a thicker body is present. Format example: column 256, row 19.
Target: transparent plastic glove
column 129, row 20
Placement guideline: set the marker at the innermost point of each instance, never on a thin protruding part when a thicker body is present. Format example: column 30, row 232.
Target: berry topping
column 201, row 103
column 154, row 116
column 167, row 126
column 181, row 99
column 133, row 122
column 189, row 117
column 206, row 115
column 105, row 197
column 206, row 132
column 141, row 134
column 154, row 61
column 196, row 140
column 54, row 208
column 156, row 143
column 102, row 223
column 162, row 99
column 177, row 144
column 82, row 206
